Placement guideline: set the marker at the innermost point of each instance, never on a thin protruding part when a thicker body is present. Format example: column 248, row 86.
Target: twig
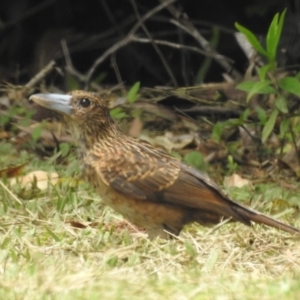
column 11, row 193
column 295, row 143
column 118, row 74
column 39, row 76
column 183, row 23
column 15, row 198
column 125, row 41
column 70, row 68
column 66, row 53
column 156, row 48
column 111, row 18
column 189, row 28
column 107, row 53
column 174, row 45
column 209, row 110
column 183, row 59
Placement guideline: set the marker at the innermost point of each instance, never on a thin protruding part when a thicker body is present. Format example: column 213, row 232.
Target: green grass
column 43, row 257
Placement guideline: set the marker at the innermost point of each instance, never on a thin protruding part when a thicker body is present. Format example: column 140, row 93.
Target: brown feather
column 147, row 186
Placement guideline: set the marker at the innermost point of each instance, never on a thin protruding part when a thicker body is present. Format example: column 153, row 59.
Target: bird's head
column 87, row 113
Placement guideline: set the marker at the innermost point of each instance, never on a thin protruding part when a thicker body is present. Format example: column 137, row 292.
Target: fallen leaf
column 82, row 225
column 169, row 141
column 291, row 157
column 124, row 224
column 135, row 127
column 158, row 141
column 12, row 171
column 4, row 135
column 42, row 179
column 236, row 181
column 212, row 151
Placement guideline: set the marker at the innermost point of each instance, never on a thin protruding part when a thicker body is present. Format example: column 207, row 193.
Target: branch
column 184, row 23
column 125, row 41
column 156, row 48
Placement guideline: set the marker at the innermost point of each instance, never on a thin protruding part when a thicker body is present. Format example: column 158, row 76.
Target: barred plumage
column 150, row 188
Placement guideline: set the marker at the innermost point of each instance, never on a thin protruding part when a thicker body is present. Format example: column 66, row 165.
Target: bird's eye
column 85, row 102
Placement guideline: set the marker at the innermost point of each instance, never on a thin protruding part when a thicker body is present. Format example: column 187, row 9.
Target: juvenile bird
column 147, row 186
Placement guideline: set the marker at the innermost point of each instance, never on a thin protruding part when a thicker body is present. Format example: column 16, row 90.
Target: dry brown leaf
column 291, row 159
column 181, row 141
column 136, row 127
column 82, row 225
column 212, row 151
column 247, row 133
column 235, row 180
column 12, row 171
column 41, row 178
column 158, row 141
column 4, row 135
column 169, row 141
column 46, row 134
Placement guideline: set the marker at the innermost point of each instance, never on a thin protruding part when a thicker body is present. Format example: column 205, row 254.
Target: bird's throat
column 89, row 137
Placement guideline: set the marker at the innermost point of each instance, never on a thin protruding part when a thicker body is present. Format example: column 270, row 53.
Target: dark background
column 31, row 34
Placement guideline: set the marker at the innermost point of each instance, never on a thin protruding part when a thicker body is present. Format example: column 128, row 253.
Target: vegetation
column 59, row 242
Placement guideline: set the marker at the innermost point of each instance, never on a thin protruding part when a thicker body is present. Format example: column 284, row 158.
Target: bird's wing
column 146, row 173
column 136, row 170
column 196, row 190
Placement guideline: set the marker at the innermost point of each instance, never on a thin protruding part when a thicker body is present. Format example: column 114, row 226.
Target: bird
column 146, row 185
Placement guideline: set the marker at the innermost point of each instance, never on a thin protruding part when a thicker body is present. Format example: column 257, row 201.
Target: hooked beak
column 57, row 102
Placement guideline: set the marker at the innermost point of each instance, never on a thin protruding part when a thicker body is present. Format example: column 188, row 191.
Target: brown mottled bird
column 147, row 186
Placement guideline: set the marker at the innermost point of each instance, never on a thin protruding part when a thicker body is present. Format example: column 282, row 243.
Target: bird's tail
column 254, row 216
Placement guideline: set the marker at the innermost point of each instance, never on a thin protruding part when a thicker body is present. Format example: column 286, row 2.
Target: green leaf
column 100, row 78
column 52, row 234
column 281, row 104
column 273, row 35
column 272, row 39
column 284, row 127
column 231, row 164
column 232, row 123
column 133, row 92
column 297, row 75
column 217, row 131
column 118, row 113
column 4, row 119
column 195, row 159
column 246, row 86
column 268, row 128
column 190, row 248
column 261, row 114
column 257, row 87
column 64, row 149
column 72, row 83
column 175, row 154
column 262, row 72
column 290, row 84
column 244, row 115
column 252, row 39
column 36, row 133
column 112, row 261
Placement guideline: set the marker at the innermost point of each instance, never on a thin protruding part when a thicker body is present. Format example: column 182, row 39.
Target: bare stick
column 156, row 48
column 175, row 45
column 70, row 68
column 39, row 76
column 66, row 53
column 125, row 41
column 118, row 74
column 187, row 26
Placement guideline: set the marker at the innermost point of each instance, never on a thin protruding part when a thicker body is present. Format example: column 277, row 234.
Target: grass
column 42, row 256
